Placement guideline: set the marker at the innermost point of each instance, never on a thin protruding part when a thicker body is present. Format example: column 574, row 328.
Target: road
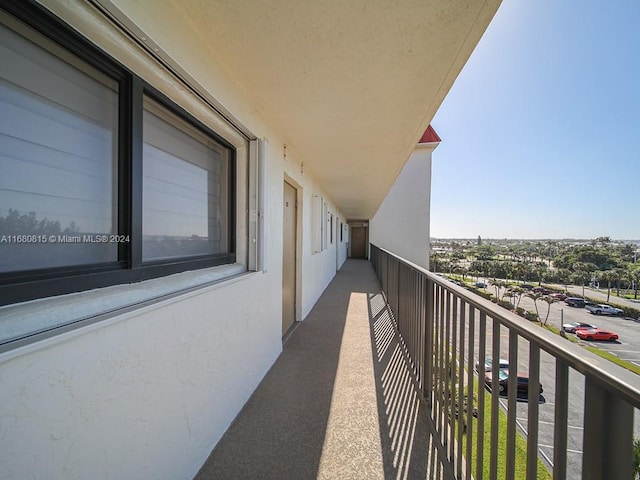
column 628, row 348
column 599, row 295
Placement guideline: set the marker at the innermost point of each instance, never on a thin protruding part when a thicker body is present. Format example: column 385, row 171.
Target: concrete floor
column 339, row 403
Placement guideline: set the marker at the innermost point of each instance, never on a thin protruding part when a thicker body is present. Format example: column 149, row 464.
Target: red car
column 596, row 334
column 558, row 296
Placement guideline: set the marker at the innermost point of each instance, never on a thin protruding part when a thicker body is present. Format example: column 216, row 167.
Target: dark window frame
column 27, row 285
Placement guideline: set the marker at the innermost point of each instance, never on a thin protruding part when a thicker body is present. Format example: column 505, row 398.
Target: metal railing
column 446, row 329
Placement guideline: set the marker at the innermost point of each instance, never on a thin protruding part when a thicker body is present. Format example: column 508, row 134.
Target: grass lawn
column 521, row 443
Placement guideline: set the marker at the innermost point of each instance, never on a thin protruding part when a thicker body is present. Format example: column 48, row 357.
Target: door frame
column 359, row 223
column 299, row 209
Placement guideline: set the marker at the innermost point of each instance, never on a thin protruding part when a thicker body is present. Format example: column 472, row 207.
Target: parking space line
column 625, row 351
column 550, row 423
column 551, row 447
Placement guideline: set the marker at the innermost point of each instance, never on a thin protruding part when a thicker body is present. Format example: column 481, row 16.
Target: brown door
column 358, row 242
column 289, row 259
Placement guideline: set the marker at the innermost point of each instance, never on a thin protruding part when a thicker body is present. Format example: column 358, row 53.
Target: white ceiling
column 351, row 85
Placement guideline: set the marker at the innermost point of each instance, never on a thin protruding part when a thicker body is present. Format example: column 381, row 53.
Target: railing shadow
column 410, row 446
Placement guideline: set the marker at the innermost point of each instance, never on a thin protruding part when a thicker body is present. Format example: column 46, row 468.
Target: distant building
column 479, row 240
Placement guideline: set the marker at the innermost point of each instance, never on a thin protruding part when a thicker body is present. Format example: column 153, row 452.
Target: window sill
column 29, row 322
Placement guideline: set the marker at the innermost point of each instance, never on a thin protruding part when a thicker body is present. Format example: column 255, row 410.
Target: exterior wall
column 144, row 395
column 401, row 224
column 148, row 393
column 319, row 268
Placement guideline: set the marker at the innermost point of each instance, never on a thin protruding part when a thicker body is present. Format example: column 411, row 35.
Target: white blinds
column 58, row 134
column 185, row 187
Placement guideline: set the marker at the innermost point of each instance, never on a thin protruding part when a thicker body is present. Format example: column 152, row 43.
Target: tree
column 582, row 273
column 535, row 297
column 617, row 274
column 607, row 276
column 498, row 285
column 515, row 293
column 564, row 275
column 634, row 275
column 549, row 301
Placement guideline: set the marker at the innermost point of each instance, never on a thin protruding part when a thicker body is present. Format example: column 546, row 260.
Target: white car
column 572, row 327
column 601, row 309
column 488, row 365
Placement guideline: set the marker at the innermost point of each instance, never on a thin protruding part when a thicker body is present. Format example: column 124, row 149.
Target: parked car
column 602, row 309
column 526, row 286
column 558, row 296
column 503, row 379
column 572, row 327
column 541, row 290
column 575, row 302
column 481, row 285
column 597, row 334
column 488, row 364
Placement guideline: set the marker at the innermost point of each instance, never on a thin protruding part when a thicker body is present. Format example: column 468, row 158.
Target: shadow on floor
column 411, row 449
column 339, row 403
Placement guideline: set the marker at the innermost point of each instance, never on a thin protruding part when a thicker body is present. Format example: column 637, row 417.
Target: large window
column 185, row 189
column 103, row 180
column 58, row 157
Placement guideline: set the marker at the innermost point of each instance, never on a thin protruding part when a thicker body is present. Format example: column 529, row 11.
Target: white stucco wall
column 144, row 395
column 401, row 224
column 147, row 394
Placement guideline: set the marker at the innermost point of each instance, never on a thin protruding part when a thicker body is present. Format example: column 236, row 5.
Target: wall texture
column 401, row 224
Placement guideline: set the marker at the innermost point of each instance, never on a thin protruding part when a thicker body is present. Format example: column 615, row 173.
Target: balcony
column 367, row 388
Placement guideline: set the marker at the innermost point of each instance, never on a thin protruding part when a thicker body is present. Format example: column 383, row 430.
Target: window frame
column 20, row 286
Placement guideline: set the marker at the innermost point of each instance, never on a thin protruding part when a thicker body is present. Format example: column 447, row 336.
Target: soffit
column 350, row 86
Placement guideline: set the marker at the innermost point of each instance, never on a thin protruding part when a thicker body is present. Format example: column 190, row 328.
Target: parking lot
column 628, row 345
column 626, row 348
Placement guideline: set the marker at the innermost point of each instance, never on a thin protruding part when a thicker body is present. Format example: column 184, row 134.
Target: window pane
column 185, row 189
column 58, row 144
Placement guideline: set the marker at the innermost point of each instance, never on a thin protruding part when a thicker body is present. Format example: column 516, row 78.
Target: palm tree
column 634, row 276
column 618, row 274
column 564, row 276
column 535, row 297
column 499, row 284
column 516, row 294
column 581, row 274
column 607, row 275
column 548, row 300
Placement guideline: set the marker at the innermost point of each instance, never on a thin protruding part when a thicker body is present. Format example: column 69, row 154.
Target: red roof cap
column 429, row 136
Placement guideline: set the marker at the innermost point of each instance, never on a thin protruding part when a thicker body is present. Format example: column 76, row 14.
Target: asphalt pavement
column 627, row 348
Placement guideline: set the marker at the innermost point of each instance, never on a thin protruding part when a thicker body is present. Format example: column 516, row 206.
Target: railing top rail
column 617, row 378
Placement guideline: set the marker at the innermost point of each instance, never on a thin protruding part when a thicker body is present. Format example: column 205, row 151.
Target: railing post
column 428, row 341
column 608, row 434
column 561, row 421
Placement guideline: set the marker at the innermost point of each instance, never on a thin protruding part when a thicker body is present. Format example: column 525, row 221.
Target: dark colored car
column 526, row 286
column 503, row 379
column 541, row 290
column 575, row 302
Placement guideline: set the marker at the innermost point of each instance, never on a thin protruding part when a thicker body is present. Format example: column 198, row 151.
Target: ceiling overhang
column 349, row 86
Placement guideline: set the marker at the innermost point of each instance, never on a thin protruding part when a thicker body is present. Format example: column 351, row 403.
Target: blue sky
column 541, row 130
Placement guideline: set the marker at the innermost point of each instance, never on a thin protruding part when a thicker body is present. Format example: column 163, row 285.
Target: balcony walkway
column 339, row 402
